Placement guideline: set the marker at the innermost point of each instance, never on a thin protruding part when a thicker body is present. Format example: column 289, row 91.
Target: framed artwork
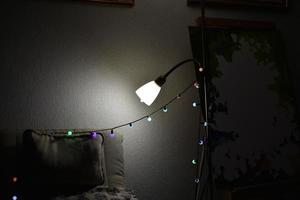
column 254, row 123
column 280, row 4
column 121, row 2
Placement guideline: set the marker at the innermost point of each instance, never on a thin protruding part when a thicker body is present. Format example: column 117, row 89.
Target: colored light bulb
column 14, row 198
column 69, row 133
column 112, row 133
column 15, row 179
column 149, row 119
column 165, row 109
column 200, row 142
column 94, row 135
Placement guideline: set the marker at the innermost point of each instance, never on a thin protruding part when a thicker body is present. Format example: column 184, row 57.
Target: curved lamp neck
column 162, row 79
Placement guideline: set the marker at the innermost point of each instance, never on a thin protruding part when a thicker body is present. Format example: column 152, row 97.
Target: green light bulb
column 69, row 133
column 194, row 162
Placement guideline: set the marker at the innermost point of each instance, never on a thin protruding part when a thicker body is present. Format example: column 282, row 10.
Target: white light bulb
column 149, row 119
column 148, row 92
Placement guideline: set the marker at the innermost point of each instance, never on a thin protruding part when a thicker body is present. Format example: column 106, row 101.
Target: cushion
column 64, row 160
column 114, row 159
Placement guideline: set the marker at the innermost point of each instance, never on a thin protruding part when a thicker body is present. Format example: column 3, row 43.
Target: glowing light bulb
column 196, row 85
column 194, row 162
column 15, row 179
column 194, row 104
column 205, row 124
column 149, row 119
column 14, row 198
column 112, row 134
column 94, row 135
column 200, row 142
column 197, row 180
column 165, row 109
column 69, row 133
column 148, row 92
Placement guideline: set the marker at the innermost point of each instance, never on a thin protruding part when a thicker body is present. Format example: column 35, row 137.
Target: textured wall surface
column 76, row 65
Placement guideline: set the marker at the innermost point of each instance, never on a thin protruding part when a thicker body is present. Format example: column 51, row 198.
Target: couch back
column 19, row 147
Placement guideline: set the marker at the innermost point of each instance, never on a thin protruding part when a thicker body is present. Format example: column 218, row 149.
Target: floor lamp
column 148, row 92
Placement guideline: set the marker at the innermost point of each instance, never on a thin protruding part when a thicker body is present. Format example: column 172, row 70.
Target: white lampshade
column 148, row 92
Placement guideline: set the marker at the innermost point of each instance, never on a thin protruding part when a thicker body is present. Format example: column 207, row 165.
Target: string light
column 197, row 180
column 69, row 133
column 195, row 104
column 196, row 85
column 14, row 197
column 130, row 124
column 94, row 135
column 165, row 109
column 201, row 69
column 200, row 142
column 15, row 179
column 205, row 124
column 194, row 162
column 112, row 132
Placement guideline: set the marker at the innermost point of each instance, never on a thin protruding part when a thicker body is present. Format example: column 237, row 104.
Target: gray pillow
column 114, row 159
column 65, row 160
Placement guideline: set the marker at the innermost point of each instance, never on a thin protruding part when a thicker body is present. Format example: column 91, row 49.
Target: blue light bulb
column 14, row 198
column 165, row 109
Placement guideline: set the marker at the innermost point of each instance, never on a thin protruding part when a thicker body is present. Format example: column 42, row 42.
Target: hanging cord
column 205, row 153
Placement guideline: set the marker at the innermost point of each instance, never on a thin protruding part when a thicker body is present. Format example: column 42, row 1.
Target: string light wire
column 88, row 132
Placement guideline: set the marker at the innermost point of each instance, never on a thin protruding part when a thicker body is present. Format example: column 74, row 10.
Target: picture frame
column 276, row 4
column 120, row 2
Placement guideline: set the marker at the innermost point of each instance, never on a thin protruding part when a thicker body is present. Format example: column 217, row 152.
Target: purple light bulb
column 94, row 135
column 112, row 134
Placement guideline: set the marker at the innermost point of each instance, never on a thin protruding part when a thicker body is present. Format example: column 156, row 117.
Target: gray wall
column 77, row 65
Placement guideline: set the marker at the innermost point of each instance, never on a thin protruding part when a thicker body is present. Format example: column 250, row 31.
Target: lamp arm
column 162, row 79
